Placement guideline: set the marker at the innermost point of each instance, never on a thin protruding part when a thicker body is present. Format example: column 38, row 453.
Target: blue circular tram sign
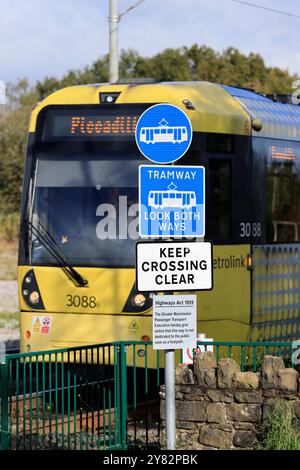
column 163, row 133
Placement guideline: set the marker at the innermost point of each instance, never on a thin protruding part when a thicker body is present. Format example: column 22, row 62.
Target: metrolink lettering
column 229, row 263
column 171, row 174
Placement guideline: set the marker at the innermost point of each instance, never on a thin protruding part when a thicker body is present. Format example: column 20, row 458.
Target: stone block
column 216, row 396
column 226, row 371
column 268, row 407
column 191, row 411
column 244, row 412
column 269, row 371
column 216, row 413
column 288, row 380
column 215, row 438
column 248, row 397
column 185, row 425
column 269, row 393
column 296, row 406
column 183, row 375
column 193, row 397
column 223, row 427
column 246, row 380
column 204, row 362
column 186, row 440
column 244, row 426
column 187, row 389
column 244, row 439
column 210, row 378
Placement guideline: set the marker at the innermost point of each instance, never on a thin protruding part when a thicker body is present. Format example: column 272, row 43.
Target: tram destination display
column 88, row 124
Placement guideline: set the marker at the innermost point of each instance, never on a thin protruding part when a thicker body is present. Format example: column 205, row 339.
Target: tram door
column 225, row 312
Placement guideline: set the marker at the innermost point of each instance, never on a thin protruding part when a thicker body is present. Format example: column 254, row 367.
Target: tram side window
column 219, row 143
column 219, row 199
column 283, row 207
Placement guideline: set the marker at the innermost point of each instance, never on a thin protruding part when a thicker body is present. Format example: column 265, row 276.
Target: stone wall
column 224, row 408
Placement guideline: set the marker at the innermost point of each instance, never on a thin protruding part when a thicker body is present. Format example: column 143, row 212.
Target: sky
column 41, row 38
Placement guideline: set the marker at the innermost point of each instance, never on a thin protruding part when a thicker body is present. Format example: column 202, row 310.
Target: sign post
column 174, row 327
column 171, row 205
column 170, row 399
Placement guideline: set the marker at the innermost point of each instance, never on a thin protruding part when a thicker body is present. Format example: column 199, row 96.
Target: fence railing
column 247, row 354
column 102, row 396
column 80, row 398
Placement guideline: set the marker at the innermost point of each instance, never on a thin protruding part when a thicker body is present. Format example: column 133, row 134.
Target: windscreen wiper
column 55, row 251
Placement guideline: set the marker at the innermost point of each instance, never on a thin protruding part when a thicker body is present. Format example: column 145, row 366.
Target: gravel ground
column 8, row 296
column 9, row 325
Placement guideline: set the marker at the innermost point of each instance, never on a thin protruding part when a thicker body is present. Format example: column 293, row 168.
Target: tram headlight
column 34, row 297
column 30, row 291
column 139, row 300
column 109, row 98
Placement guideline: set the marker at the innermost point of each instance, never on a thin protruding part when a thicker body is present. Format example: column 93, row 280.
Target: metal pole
column 113, row 41
column 170, row 399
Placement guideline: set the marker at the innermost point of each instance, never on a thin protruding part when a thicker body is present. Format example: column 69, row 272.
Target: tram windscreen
column 87, row 200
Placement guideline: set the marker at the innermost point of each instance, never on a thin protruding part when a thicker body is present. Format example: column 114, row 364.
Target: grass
column 9, row 320
column 279, row 429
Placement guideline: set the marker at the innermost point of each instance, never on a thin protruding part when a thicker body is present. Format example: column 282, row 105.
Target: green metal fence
column 102, row 396
column 248, row 355
column 96, row 397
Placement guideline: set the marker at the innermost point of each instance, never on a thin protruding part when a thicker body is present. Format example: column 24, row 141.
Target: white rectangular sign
column 187, row 354
column 174, row 321
column 173, row 266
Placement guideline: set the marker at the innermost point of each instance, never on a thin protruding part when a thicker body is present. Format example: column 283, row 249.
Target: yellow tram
column 79, row 216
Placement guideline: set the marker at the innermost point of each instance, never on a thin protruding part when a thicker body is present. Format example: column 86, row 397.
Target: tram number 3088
column 247, row 229
column 81, row 301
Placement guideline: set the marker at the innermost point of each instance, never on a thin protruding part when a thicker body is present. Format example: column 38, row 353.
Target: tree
column 229, row 67
column 14, row 120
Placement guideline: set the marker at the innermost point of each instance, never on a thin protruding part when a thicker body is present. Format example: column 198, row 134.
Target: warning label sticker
column 133, row 326
column 41, row 324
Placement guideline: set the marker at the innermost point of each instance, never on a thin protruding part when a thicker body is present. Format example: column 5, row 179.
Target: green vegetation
column 8, row 262
column 9, row 227
column 193, row 63
column 9, row 318
column 279, row 429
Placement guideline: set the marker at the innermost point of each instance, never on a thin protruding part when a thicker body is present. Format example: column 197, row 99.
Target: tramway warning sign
column 172, row 201
column 174, row 321
column 173, row 266
column 163, row 133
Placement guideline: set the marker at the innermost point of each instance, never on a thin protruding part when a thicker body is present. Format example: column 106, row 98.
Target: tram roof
column 218, row 108
column 280, row 121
